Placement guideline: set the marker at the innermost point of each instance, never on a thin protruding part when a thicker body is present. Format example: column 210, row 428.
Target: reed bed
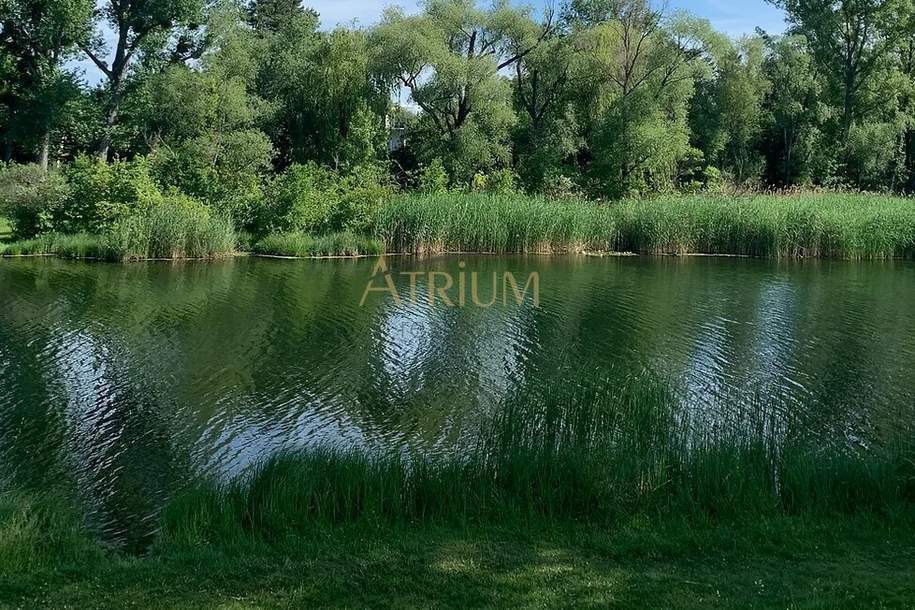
column 493, row 224
column 827, row 225
column 301, row 245
column 163, row 232
column 602, row 458
column 173, row 232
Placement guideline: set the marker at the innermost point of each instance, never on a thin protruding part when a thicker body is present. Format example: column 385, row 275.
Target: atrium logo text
column 463, row 289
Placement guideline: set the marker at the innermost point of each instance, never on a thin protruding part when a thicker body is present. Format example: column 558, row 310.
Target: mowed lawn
column 786, row 564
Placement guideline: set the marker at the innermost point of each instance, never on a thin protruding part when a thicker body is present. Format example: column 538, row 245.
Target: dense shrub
column 315, row 199
column 227, row 174
column 433, row 178
column 104, row 193
column 31, row 197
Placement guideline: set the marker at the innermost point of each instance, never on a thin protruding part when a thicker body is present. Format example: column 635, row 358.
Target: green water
column 124, row 382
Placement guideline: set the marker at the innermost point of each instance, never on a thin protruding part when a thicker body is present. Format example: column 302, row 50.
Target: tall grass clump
column 834, row 225
column 41, row 529
column 828, row 225
column 176, row 228
column 305, row 246
column 455, row 222
column 602, row 456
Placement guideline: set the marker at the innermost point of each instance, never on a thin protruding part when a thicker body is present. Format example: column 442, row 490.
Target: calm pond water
column 127, row 380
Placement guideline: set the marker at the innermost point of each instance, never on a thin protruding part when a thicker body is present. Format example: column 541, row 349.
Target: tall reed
column 173, row 230
column 491, row 223
column 837, row 225
column 601, row 456
column 305, row 246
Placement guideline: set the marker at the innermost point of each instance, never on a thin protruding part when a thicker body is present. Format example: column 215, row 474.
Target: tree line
column 608, row 98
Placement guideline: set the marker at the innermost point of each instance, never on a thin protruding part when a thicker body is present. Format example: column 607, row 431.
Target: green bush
column 31, row 198
column 433, row 178
column 104, row 193
column 315, row 199
column 232, row 185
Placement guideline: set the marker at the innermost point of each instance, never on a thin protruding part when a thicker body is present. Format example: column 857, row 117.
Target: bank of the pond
column 619, row 497
column 833, row 225
column 827, row 225
column 780, row 563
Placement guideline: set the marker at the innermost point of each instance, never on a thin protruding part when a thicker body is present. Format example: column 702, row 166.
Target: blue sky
column 732, row 16
column 735, row 17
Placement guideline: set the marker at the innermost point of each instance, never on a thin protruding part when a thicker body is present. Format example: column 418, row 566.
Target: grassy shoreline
column 829, row 225
column 768, row 226
column 610, row 498
column 779, row 563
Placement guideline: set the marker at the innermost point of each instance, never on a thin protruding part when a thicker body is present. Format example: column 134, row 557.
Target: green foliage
column 36, row 37
column 315, row 199
column 497, row 182
column 329, row 106
column 433, row 179
column 101, row 194
column 209, row 147
column 795, row 114
column 449, row 57
column 729, row 119
column 32, row 198
column 301, row 245
column 637, row 76
column 178, row 227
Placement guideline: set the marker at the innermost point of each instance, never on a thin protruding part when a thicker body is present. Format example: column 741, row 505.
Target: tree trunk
column 111, row 119
column 44, row 153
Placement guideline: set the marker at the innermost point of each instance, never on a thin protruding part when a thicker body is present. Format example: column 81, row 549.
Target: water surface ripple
column 125, row 381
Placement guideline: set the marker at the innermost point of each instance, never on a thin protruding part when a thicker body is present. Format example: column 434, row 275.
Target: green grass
column 614, row 498
column 835, row 225
column 496, row 224
column 165, row 232
column 6, row 231
column 787, row 563
column 602, row 458
column 307, row 246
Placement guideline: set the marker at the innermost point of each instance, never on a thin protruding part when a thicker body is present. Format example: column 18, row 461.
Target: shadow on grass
column 785, row 563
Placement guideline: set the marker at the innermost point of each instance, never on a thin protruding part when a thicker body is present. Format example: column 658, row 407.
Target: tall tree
column 793, row 109
column 850, row 40
column 139, row 25
column 450, row 58
column 634, row 80
column 36, row 36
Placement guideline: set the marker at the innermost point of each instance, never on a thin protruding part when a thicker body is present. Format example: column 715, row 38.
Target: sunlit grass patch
column 307, row 246
column 828, row 225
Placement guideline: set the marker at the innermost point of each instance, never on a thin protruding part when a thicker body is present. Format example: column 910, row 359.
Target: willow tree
column 851, row 41
column 634, row 79
column 451, row 58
